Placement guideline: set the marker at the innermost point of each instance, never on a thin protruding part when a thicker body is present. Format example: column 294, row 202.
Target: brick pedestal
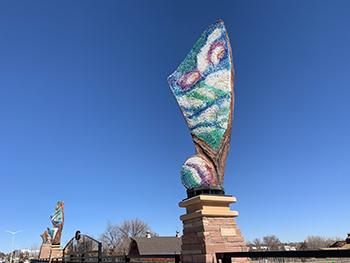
column 56, row 251
column 45, row 251
column 50, row 251
column 209, row 227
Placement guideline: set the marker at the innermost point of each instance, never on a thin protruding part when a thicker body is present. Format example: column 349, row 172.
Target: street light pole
column 13, row 240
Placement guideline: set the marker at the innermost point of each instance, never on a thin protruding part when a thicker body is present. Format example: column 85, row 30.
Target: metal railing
column 127, row 258
column 327, row 253
column 86, row 257
column 85, row 249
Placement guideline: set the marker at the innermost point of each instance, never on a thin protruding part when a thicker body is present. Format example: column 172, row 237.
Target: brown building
column 341, row 244
column 155, row 245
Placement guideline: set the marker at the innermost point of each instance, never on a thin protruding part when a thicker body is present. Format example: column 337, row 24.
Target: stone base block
column 210, row 227
column 48, row 251
column 45, row 251
column 56, row 251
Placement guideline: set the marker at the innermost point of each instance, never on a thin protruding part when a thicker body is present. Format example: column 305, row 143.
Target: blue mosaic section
column 202, row 86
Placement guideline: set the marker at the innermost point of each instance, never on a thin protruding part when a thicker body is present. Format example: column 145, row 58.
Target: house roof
column 338, row 244
column 347, row 246
column 158, row 245
column 341, row 244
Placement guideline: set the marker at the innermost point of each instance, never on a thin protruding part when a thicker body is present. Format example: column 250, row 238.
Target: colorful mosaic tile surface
column 202, row 87
column 56, row 220
column 53, row 235
column 196, row 172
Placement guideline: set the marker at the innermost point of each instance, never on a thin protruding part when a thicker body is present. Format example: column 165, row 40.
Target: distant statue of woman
column 53, row 235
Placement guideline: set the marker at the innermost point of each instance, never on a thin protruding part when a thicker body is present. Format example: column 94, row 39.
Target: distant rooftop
column 155, row 245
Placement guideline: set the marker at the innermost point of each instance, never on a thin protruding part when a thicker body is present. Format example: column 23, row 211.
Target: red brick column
column 207, row 230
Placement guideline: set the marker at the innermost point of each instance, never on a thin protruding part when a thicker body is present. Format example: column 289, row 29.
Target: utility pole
column 13, row 240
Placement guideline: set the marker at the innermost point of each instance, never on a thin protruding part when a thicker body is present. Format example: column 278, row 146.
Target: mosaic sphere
column 196, row 172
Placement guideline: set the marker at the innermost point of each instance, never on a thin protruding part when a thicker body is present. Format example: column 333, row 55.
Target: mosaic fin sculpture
column 53, row 235
column 203, row 88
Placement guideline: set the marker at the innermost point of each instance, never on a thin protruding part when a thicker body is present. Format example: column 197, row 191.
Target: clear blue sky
column 87, row 116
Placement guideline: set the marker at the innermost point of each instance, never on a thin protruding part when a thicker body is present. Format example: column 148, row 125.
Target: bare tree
column 272, row 242
column 249, row 245
column 316, row 242
column 35, row 249
column 116, row 237
column 302, row 246
column 135, row 228
column 110, row 237
column 257, row 243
